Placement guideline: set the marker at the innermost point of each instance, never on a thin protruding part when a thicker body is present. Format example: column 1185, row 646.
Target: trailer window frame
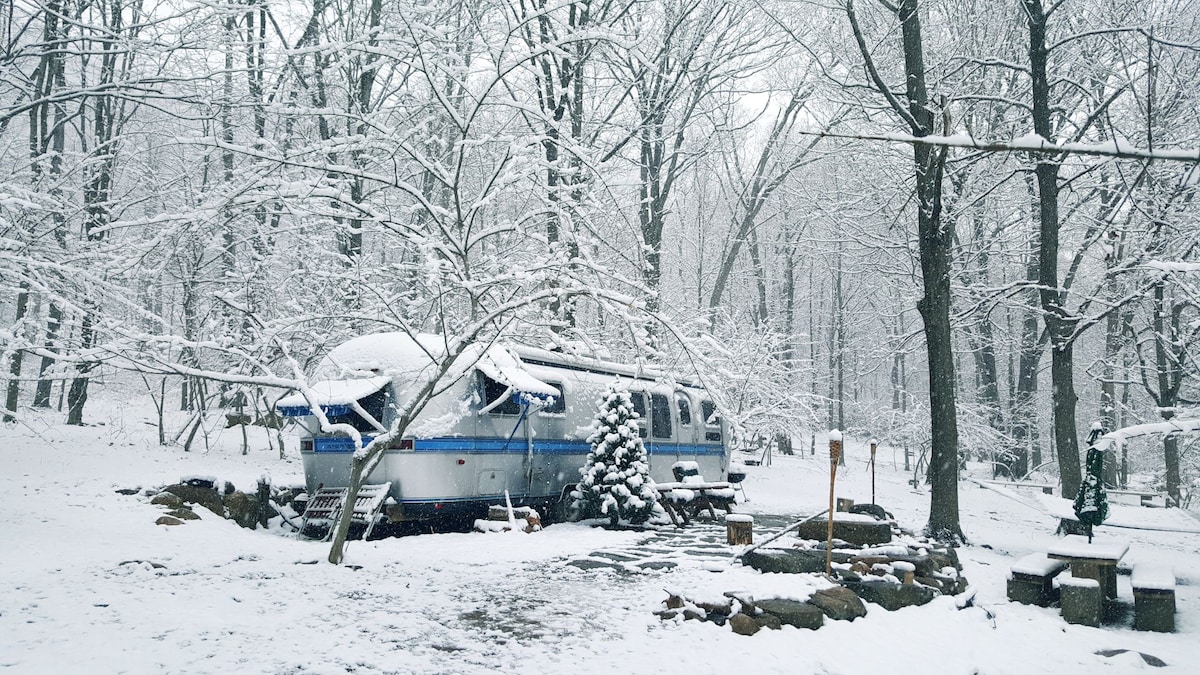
column 683, row 406
column 712, row 421
column 490, row 390
column 638, row 398
column 660, row 417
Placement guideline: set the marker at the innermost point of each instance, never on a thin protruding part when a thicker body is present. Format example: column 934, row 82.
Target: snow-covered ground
column 88, row 582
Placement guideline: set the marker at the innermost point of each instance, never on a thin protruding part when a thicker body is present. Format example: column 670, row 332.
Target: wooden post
column 739, row 529
column 874, row 444
column 264, row 500
column 835, row 453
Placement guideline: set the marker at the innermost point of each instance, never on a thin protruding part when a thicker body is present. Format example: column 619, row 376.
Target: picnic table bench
column 1032, row 579
column 1153, row 597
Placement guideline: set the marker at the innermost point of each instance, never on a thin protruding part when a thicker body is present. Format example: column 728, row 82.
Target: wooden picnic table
column 1096, row 560
column 676, row 498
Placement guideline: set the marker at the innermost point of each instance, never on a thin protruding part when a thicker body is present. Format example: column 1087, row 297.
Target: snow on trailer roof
column 404, row 359
column 331, row 393
column 542, row 357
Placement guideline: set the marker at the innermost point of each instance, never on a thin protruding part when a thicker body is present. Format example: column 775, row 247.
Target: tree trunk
column 1059, row 324
column 14, row 369
column 41, row 397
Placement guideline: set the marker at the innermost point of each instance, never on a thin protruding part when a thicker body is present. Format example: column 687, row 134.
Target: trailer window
column 373, row 404
column 639, row 407
column 660, row 411
column 493, row 390
column 559, row 405
column 685, row 410
column 711, row 420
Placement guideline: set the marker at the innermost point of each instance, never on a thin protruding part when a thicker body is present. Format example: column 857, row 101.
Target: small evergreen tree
column 616, row 479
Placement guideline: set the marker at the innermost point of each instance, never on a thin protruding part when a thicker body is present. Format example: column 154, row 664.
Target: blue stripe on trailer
column 305, row 411
column 499, row 446
column 337, row 443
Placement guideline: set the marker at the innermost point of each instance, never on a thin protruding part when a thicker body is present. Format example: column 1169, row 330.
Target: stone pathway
column 665, row 547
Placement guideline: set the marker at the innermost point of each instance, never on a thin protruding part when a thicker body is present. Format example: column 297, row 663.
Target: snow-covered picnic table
column 1096, row 560
column 677, row 498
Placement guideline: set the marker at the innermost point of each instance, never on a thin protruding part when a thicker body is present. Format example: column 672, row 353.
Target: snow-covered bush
column 615, row 480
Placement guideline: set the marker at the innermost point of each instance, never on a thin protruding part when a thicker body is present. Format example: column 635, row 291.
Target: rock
column 874, row 510
column 839, row 603
column 674, row 601
column 892, row 596
column 713, row 608
column 743, row 624
column 168, row 520
column 204, row 496
column 128, row 492
column 771, row 621
column 242, row 509
column 168, row 500
column 924, row 565
column 947, row 557
column 787, row 561
column 793, row 613
column 853, row 531
column 744, row 599
column 945, row 586
column 183, row 514
column 690, row 614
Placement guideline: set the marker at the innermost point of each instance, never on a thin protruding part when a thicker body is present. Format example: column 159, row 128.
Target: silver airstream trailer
column 516, row 419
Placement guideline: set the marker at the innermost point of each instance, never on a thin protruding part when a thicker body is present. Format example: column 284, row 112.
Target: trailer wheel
column 564, row 510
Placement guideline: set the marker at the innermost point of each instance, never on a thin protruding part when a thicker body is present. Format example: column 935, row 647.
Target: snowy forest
column 966, row 227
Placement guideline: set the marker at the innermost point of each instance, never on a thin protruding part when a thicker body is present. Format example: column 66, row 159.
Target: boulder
column 787, row 561
column 744, row 599
column 839, row 603
column 770, row 621
column 168, row 520
column 183, row 514
column 194, row 494
column 242, row 509
column 128, row 492
column 945, row 557
column 874, row 510
column 743, row 624
column 892, row 596
column 168, row 500
column 716, row 608
column 793, row 613
column 862, row 532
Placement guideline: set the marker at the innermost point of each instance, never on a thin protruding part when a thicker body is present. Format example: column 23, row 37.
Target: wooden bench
column 1031, row 581
column 1046, row 488
column 1153, row 597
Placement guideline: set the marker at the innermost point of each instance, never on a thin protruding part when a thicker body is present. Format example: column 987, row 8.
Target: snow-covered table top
column 1076, row 548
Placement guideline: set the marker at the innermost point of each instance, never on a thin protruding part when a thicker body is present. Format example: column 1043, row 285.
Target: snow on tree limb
column 1115, row 149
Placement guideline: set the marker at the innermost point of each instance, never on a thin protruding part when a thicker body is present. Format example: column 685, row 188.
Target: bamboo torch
column 835, row 453
column 874, row 444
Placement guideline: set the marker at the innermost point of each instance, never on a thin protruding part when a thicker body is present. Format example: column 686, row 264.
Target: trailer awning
column 500, row 365
column 334, row 396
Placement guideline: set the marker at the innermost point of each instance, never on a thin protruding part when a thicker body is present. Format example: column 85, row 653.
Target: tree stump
column 739, row 529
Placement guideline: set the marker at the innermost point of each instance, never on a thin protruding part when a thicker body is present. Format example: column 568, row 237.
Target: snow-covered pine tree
column 615, row 480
